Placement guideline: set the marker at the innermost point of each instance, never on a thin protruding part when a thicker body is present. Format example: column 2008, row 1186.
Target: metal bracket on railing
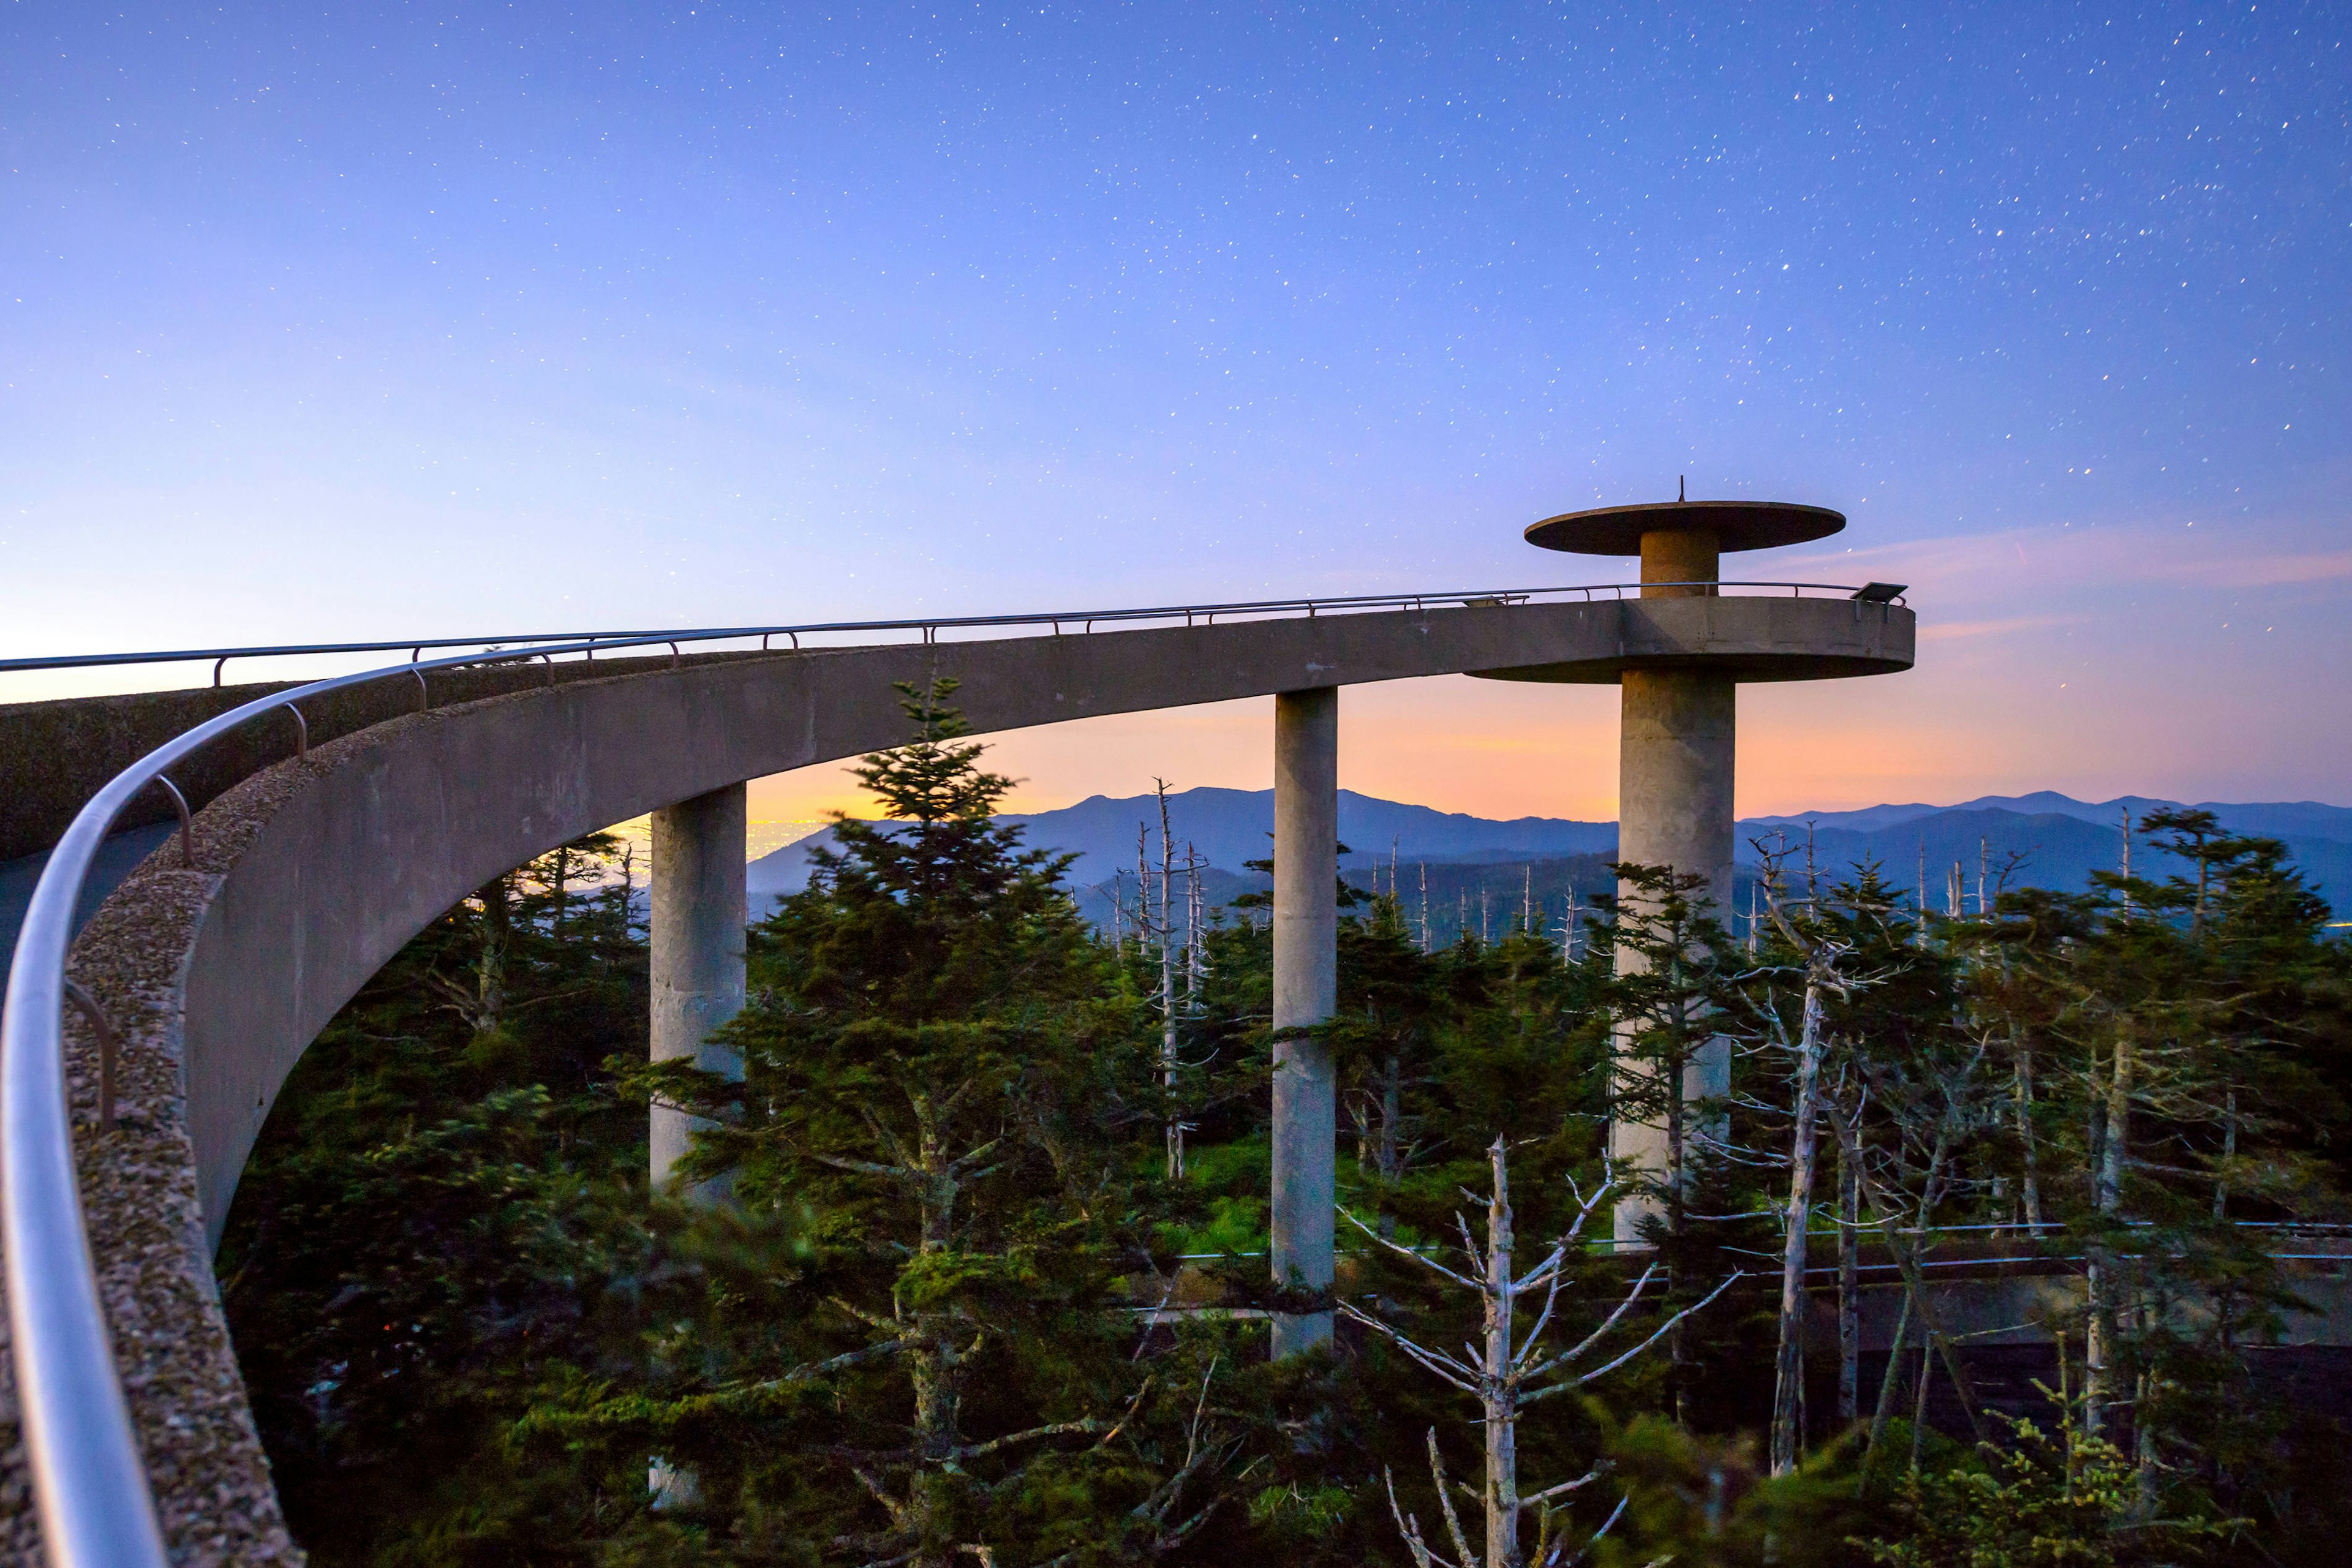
column 673, row 656
column 424, row 692
column 549, row 660
column 108, row 1050
column 187, row 838
column 415, row 653
column 301, row 734
column 216, row 668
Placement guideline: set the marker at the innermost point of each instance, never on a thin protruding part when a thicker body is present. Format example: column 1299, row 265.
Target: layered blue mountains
column 2055, row 840
column 1459, row 872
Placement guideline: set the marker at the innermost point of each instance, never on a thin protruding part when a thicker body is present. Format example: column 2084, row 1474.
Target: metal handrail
column 533, row 643
column 89, row 1480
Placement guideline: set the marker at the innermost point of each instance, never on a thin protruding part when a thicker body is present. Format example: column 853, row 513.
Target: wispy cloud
column 2260, row 571
column 1944, row 631
column 1958, row 571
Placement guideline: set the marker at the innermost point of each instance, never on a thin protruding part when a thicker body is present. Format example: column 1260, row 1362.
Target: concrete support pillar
column 1674, row 767
column 698, row 919
column 1305, row 991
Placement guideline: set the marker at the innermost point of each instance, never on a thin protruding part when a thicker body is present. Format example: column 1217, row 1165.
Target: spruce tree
column 909, row 1343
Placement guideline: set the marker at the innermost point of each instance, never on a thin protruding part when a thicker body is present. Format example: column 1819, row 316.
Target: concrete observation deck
column 309, row 875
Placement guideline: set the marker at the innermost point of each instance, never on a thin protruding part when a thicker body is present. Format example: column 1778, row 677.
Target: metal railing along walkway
column 536, row 644
column 90, row 1486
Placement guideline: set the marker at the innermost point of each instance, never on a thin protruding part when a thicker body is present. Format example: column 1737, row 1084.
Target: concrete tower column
column 1680, row 719
column 698, row 917
column 1676, row 561
column 1305, row 991
column 1678, row 731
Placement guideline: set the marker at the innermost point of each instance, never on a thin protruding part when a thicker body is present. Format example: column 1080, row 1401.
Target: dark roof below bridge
column 1735, row 524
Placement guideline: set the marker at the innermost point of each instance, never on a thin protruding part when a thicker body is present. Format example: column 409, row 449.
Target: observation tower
column 1679, row 721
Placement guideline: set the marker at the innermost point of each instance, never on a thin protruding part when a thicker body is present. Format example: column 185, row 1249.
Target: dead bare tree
column 1886, row 1215
column 2020, row 1053
column 1175, row 1509
column 1821, row 978
column 2100, row 1284
column 1849, row 1296
column 1168, row 1048
column 1920, row 894
column 1511, row 1370
column 1196, row 965
column 480, row 998
column 1823, row 956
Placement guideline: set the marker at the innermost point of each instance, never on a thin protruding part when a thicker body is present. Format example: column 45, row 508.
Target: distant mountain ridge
column 2277, row 819
column 2065, row 839
column 1229, row 826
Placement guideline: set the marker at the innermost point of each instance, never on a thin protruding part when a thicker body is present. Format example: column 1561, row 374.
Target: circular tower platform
column 1746, row 638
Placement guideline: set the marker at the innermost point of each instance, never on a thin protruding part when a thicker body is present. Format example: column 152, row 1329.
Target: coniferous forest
column 971, row 1266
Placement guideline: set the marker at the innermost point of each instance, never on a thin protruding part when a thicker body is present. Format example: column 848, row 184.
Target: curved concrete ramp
column 310, row 876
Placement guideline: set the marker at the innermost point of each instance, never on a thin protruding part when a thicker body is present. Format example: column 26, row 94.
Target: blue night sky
column 343, row 322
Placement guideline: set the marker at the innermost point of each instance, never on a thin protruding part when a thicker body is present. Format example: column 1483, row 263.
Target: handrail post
column 301, row 734
column 187, row 834
column 107, row 1047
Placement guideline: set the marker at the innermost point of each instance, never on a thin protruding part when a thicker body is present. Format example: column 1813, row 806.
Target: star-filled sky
column 346, row 322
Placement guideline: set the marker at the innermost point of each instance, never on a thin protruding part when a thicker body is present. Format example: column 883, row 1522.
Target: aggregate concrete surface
column 212, row 1492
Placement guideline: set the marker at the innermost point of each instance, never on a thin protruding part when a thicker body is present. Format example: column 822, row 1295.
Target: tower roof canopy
column 1735, row 524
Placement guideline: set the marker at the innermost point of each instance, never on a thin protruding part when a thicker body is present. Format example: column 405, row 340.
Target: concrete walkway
column 309, row 875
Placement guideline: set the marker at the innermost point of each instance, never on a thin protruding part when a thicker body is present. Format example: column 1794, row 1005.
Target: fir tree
column 910, row 1346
